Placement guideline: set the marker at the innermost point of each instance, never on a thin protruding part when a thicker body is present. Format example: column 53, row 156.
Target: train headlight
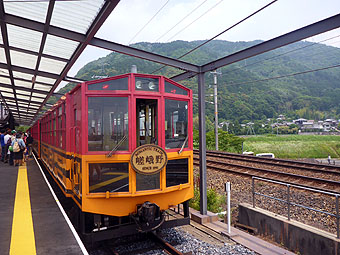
column 152, row 85
column 138, row 85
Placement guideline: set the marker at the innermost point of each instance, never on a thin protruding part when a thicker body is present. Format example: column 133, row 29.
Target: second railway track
column 315, row 176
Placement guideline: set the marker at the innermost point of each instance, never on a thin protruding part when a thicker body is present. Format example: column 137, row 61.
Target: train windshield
column 176, row 124
column 108, row 123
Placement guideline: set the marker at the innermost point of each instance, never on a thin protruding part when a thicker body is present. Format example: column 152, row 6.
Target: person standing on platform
column 29, row 143
column 11, row 154
column 329, row 159
column 19, row 147
column 8, row 142
column 2, row 142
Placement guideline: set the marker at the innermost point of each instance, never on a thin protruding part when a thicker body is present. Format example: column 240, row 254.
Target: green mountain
column 258, row 88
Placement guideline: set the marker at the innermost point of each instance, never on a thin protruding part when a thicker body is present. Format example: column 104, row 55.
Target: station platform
column 30, row 219
column 252, row 242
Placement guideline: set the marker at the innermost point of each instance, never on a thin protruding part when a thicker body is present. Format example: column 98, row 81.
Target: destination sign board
column 148, row 159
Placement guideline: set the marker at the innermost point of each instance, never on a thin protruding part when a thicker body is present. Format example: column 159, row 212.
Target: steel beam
column 144, row 55
column 39, row 73
column 27, row 80
column 291, row 37
column 4, row 34
column 202, row 144
column 22, row 100
column 4, row 102
column 39, row 27
column 35, row 53
column 96, row 24
column 24, row 112
column 70, row 35
column 74, row 79
column 31, row 71
column 42, row 43
column 26, row 89
column 183, row 76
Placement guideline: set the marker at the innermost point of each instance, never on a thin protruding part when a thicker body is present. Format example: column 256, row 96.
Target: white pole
column 227, row 188
column 216, row 111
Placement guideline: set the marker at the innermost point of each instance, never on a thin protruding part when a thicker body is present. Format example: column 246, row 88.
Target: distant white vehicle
column 266, row 155
column 248, row 153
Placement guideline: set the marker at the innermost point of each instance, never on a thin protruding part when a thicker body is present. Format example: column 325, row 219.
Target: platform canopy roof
column 40, row 40
column 35, row 51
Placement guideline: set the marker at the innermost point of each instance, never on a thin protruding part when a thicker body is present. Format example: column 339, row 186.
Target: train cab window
column 112, row 177
column 176, row 124
column 147, row 182
column 108, row 124
column 170, row 88
column 146, row 84
column 177, row 172
column 146, row 123
column 117, row 84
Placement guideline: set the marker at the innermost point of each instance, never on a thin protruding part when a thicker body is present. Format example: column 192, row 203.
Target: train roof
column 78, row 85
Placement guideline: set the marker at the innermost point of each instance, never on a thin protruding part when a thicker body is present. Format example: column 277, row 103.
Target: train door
column 147, row 133
column 75, row 164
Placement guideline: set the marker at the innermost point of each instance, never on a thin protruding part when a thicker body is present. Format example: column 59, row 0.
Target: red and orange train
column 121, row 148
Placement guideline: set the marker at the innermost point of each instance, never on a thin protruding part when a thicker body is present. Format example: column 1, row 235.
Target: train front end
column 137, row 160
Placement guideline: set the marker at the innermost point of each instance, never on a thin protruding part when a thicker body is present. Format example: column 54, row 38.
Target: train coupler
column 149, row 217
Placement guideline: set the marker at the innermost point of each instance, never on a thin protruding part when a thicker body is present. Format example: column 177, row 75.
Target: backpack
column 16, row 147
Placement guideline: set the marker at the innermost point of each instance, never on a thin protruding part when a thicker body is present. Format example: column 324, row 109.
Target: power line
column 329, row 60
column 219, row 33
column 285, row 53
column 186, row 16
column 148, row 21
column 196, row 20
column 264, row 7
column 288, row 75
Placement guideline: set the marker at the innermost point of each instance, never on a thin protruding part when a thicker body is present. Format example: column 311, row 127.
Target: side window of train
column 176, row 124
column 108, row 124
column 74, row 131
column 146, row 122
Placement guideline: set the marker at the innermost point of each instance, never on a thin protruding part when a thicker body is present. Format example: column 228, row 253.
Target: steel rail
column 258, row 172
column 165, row 245
column 275, row 161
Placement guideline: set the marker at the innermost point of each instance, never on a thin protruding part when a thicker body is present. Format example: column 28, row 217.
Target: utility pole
column 216, row 111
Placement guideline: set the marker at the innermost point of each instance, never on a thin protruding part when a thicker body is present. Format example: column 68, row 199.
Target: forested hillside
column 249, row 90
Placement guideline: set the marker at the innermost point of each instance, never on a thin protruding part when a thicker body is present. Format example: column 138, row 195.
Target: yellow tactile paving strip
column 22, row 239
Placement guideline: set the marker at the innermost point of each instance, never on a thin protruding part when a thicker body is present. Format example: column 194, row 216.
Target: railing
column 289, row 203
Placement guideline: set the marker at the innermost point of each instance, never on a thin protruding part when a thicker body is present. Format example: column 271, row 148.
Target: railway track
column 307, row 175
column 156, row 243
column 168, row 248
column 274, row 161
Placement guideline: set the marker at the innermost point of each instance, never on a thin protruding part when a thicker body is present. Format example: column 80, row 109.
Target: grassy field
column 295, row 146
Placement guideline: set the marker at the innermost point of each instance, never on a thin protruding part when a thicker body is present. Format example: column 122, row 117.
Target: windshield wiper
column 117, row 146
column 182, row 148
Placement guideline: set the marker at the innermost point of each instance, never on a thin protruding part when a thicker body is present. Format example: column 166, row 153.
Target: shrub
column 226, row 142
column 215, row 201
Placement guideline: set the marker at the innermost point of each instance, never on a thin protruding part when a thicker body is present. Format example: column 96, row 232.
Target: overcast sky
column 210, row 18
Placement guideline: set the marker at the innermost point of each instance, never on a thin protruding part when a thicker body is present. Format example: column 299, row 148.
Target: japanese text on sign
column 148, row 159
